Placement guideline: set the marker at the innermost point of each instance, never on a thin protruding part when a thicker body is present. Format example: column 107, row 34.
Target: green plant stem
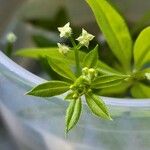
column 9, row 48
column 77, row 60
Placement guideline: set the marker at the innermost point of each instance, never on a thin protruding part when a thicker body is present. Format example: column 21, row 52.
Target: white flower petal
column 65, row 31
column 63, row 49
column 85, row 38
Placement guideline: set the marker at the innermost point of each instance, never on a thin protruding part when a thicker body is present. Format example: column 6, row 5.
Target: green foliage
column 140, row 90
column 142, row 48
column 97, row 106
column 96, row 77
column 73, row 113
column 114, row 29
column 69, row 96
column 53, row 53
column 118, row 90
column 107, row 81
column 91, row 58
column 49, row 89
column 62, row 69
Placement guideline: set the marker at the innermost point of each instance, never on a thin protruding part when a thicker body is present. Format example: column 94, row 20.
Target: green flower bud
column 92, row 73
column 85, row 80
column 75, row 96
column 85, row 71
column 72, row 87
column 89, row 91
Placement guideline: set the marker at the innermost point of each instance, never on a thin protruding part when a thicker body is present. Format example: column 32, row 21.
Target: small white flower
column 65, row 31
column 85, row 38
column 11, row 37
column 147, row 75
column 63, row 49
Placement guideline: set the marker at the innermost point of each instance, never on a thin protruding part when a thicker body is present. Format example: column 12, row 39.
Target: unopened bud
column 85, row 71
column 72, row 87
column 89, row 91
column 92, row 73
column 75, row 96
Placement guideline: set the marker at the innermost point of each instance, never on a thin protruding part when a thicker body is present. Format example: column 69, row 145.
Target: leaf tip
column 110, row 118
column 28, row 93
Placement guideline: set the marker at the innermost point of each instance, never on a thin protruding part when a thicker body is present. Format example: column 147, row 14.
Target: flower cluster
column 82, row 84
column 66, row 32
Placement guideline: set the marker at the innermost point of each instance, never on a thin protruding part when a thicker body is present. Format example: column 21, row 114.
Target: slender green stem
column 77, row 60
column 9, row 49
column 73, row 42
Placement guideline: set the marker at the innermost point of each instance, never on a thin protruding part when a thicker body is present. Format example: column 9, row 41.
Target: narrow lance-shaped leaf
column 48, row 89
column 114, row 29
column 38, row 52
column 107, row 81
column 91, row 58
column 140, row 90
column 105, row 69
column 108, row 78
column 97, row 106
column 118, row 89
column 52, row 53
column 69, row 96
column 142, row 48
column 62, row 69
column 73, row 113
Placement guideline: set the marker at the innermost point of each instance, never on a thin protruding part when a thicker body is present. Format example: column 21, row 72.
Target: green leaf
column 62, row 69
column 39, row 52
column 107, row 81
column 142, row 48
column 140, row 90
column 116, row 90
column 69, row 96
column 97, row 106
column 108, row 78
column 114, row 29
column 106, row 85
column 91, row 58
column 73, row 113
column 48, row 89
column 53, row 52
column 105, row 69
